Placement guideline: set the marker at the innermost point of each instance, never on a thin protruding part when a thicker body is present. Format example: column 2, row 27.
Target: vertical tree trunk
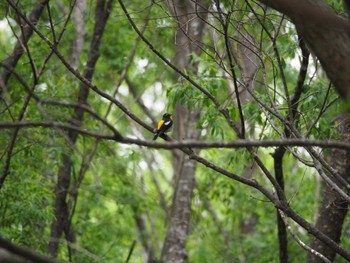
column 79, row 28
column 62, row 218
column 333, row 208
column 280, row 151
column 188, row 40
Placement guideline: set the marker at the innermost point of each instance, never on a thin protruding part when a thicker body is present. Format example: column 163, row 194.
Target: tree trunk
column 280, row 151
column 333, row 208
column 326, row 34
column 79, row 28
column 188, row 40
column 62, row 218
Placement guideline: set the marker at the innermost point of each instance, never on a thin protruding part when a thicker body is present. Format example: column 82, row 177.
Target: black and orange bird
column 163, row 125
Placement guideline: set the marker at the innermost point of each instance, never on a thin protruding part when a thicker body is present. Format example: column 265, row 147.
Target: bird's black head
column 167, row 116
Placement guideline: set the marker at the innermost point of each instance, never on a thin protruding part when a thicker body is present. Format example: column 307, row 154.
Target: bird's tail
column 155, row 136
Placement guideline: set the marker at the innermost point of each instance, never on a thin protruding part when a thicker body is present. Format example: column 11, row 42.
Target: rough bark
column 187, row 40
column 62, row 218
column 247, row 63
column 326, row 34
column 79, row 28
column 333, row 208
column 18, row 51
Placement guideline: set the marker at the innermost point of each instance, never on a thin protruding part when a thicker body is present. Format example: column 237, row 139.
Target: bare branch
column 183, row 144
column 12, row 60
column 58, row 125
column 23, row 252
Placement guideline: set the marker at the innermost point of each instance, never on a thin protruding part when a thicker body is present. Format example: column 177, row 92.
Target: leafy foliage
column 126, row 192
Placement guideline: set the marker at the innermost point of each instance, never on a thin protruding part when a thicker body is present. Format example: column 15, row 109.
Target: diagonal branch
column 299, row 241
column 326, row 33
column 252, row 183
column 18, row 51
column 77, row 74
column 24, row 252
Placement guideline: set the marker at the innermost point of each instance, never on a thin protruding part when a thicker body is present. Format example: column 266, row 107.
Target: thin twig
column 130, row 251
column 300, row 242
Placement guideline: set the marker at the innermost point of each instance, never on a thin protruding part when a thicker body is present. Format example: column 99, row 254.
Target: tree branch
column 300, row 242
column 77, row 74
column 178, row 145
column 326, row 33
column 24, row 252
column 12, row 60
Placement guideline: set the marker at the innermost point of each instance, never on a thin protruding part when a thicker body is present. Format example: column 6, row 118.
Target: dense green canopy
column 83, row 85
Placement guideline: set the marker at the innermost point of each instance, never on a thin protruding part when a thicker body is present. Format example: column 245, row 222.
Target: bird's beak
column 171, row 117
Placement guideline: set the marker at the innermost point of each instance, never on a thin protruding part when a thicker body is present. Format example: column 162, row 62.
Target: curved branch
column 251, row 183
column 23, row 252
column 77, row 74
column 18, row 51
column 58, row 125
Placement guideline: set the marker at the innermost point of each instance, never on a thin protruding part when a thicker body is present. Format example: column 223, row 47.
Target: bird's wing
column 160, row 123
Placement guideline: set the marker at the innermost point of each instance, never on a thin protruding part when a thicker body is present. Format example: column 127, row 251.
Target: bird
column 163, row 125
